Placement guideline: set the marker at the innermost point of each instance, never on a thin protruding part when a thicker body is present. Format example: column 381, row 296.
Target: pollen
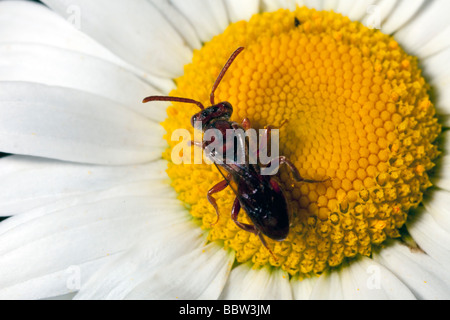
column 358, row 111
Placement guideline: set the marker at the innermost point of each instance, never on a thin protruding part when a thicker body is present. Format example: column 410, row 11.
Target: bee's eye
column 204, row 114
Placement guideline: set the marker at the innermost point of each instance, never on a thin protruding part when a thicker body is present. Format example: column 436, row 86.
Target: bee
column 261, row 196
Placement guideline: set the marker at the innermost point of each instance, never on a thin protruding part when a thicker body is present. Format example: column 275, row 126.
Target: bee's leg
column 253, row 145
column 282, row 160
column 240, row 156
column 264, row 140
column 217, row 188
column 261, row 237
column 266, row 136
column 247, row 227
column 196, row 143
column 246, row 124
column 234, row 215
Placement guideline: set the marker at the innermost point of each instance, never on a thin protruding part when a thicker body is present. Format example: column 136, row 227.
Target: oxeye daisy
column 95, row 207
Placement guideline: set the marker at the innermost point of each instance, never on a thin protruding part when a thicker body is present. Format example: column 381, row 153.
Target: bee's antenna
column 222, row 73
column 173, row 99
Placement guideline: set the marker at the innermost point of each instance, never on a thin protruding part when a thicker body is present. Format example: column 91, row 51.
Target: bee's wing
column 228, row 172
column 242, row 185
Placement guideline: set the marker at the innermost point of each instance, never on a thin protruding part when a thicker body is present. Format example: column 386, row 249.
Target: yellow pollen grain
column 358, row 112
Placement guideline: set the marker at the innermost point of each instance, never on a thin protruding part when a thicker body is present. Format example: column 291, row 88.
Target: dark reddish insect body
column 259, row 195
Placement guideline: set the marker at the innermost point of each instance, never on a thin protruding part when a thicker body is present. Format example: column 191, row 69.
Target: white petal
column 355, row 10
column 445, row 136
column 345, row 6
column 209, row 18
column 425, row 278
column 158, row 190
column 242, row 10
column 442, row 177
column 27, row 183
column 302, row 289
column 70, row 125
column 290, row 4
column 438, row 205
column 365, row 279
column 63, row 297
column 46, row 247
column 328, row 287
column 382, row 10
column 330, row 5
column 270, row 5
column 234, row 285
column 198, row 275
column 437, row 69
column 314, row 4
column 361, row 9
column 430, row 237
column 179, row 22
column 54, row 285
column 145, row 39
column 429, row 21
column 119, row 277
column 439, row 40
column 20, row 231
column 247, row 283
column 30, row 23
column 402, row 13
column 273, row 5
column 59, row 67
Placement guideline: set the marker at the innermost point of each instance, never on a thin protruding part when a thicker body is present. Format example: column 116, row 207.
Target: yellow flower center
column 359, row 113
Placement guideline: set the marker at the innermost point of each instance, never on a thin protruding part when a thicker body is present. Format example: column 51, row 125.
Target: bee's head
column 220, row 111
